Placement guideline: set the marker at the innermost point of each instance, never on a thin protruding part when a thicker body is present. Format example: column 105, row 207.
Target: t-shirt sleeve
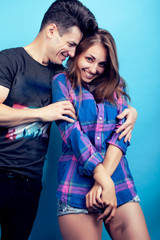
column 72, row 134
column 6, row 70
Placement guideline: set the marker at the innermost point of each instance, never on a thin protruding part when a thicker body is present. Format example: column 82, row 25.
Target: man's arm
column 127, row 127
column 11, row 117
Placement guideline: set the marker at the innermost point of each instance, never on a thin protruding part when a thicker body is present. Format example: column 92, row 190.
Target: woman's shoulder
column 62, row 83
column 60, row 77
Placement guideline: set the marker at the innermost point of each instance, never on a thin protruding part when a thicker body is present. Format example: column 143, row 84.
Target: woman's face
column 92, row 62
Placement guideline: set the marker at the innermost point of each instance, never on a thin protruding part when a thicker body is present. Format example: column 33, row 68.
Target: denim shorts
column 63, row 208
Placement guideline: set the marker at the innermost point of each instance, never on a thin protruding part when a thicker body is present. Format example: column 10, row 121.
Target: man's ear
column 51, row 29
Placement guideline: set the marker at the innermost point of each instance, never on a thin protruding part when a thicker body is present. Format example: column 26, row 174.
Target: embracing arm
column 127, row 127
column 11, row 116
column 128, row 116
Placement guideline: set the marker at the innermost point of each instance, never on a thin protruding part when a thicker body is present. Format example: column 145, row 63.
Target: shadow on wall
column 46, row 223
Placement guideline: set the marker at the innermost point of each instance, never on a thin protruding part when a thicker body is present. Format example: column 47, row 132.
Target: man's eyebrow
column 73, row 43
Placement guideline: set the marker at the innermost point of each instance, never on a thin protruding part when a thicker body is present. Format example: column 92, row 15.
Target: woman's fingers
column 108, row 214
column 93, row 198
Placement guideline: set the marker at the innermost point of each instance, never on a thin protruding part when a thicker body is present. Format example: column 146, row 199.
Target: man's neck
column 36, row 50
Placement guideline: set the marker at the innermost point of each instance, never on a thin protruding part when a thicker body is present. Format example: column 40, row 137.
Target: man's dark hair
column 69, row 13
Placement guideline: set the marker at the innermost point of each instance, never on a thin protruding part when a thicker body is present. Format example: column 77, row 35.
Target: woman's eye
column 89, row 59
column 102, row 65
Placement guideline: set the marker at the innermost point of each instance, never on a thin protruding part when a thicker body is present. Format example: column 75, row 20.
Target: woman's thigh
column 80, row 226
column 128, row 223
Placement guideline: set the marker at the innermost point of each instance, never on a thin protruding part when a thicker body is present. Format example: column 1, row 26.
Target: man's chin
column 59, row 62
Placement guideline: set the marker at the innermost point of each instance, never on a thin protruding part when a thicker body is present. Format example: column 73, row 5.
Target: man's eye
column 71, row 44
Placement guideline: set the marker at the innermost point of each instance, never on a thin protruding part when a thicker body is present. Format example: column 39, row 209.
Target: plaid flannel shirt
column 85, row 143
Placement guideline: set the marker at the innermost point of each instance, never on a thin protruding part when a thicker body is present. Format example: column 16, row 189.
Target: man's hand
column 57, row 111
column 131, row 115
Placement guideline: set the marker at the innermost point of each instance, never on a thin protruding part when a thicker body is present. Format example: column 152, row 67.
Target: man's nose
column 71, row 52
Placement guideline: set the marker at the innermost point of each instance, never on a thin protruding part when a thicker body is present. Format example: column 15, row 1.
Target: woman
column 94, row 180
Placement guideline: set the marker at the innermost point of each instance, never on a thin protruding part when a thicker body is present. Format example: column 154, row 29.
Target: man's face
column 64, row 46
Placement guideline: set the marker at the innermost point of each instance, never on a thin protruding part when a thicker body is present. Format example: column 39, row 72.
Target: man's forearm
column 55, row 111
column 10, row 117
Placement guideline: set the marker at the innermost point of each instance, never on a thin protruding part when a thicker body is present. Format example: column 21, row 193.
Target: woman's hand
column 108, row 195
column 93, row 198
column 109, row 200
column 131, row 115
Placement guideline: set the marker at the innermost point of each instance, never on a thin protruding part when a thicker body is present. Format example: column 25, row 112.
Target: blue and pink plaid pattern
column 85, row 143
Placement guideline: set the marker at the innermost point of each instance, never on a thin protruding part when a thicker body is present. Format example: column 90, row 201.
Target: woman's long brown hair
column 110, row 81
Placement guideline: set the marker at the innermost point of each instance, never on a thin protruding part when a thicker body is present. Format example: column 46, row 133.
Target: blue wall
column 135, row 27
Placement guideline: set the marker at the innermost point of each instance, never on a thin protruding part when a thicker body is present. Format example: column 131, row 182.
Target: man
column 26, row 111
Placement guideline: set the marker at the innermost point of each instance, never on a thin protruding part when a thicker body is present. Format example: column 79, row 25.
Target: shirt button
column 98, row 137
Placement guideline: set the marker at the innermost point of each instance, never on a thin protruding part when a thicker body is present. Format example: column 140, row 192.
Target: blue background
column 135, row 27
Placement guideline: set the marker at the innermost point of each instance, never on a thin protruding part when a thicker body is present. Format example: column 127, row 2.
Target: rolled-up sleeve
column 72, row 134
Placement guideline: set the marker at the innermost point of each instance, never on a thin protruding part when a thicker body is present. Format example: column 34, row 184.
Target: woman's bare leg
column 128, row 223
column 80, row 227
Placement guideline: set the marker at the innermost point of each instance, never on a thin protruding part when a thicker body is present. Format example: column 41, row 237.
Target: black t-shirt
column 23, row 148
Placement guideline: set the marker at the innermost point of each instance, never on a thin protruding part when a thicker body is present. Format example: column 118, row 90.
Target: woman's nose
column 94, row 68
